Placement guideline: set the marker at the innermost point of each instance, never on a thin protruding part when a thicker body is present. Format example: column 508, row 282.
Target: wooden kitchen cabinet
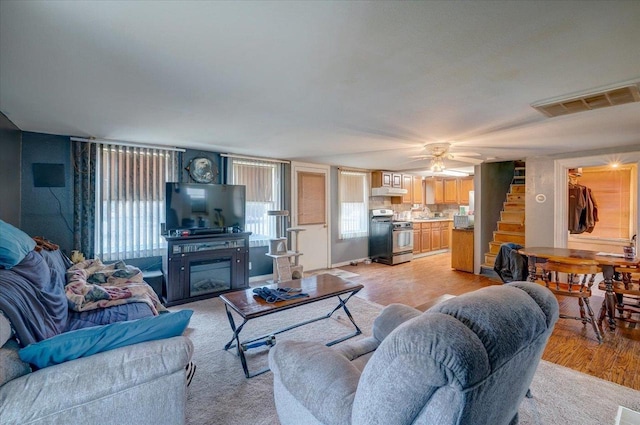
column 450, row 191
column 445, row 234
column 462, row 250
column 414, row 194
column 417, row 190
column 421, row 237
column 438, row 191
column 431, row 236
column 381, row 179
column 385, row 179
column 425, row 238
column 396, row 180
column 429, row 191
column 434, row 191
column 407, row 183
column 465, row 185
column 435, row 237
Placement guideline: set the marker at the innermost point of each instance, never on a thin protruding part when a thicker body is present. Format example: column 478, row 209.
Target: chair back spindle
column 573, row 278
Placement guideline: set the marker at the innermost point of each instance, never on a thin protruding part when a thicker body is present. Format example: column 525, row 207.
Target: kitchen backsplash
column 447, row 210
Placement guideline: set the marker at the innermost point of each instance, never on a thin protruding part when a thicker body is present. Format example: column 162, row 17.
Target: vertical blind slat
column 137, row 197
column 128, row 205
column 145, row 205
column 135, row 205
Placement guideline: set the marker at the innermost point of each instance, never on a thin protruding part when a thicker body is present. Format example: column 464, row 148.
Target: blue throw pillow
column 86, row 342
column 14, row 245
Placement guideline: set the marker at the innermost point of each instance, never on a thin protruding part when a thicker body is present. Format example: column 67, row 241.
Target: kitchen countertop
column 429, row 220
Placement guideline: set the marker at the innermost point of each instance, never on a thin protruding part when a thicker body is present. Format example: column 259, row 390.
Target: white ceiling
column 361, row 84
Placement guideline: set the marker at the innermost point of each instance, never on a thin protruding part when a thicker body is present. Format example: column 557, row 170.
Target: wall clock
column 202, row 170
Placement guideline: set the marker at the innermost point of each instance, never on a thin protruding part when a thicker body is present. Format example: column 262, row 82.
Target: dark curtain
column 84, row 197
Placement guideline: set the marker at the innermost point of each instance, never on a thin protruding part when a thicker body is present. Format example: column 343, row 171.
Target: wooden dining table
column 606, row 263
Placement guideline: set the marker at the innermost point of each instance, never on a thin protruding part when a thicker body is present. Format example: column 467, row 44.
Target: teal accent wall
column 47, row 212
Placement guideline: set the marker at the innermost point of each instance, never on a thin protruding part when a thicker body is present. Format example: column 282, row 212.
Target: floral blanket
column 91, row 285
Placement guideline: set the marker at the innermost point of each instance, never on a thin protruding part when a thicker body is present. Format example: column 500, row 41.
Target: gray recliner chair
column 467, row 360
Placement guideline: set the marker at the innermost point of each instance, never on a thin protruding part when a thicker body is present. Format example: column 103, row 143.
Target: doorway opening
column 613, row 190
column 629, row 162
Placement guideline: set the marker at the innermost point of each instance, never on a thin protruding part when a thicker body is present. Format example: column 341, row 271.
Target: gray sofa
column 138, row 384
column 467, row 360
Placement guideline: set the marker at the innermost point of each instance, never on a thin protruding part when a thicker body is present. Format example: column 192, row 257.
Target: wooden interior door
column 310, row 213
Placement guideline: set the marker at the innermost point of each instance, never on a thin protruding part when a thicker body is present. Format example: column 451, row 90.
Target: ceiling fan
column 438, row 152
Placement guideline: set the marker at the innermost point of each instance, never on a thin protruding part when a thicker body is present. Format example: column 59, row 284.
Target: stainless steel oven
column 402, row 237
column 390, row 242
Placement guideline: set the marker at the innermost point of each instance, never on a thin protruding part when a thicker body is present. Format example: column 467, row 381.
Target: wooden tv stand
column 203, row 266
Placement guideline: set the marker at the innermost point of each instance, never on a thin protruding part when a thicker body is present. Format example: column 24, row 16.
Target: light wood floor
column 424, row 281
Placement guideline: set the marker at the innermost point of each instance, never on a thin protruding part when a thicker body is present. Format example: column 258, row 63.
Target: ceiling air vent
column 587, row 102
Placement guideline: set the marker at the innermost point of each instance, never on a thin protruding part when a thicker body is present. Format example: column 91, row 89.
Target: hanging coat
column 583, row 209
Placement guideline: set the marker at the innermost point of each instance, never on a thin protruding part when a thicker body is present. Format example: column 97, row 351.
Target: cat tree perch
column 286, row 264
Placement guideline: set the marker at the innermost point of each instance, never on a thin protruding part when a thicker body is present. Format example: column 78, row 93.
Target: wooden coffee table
column 249, row 306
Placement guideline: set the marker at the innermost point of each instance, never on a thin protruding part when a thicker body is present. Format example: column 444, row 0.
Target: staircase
column 510, row 228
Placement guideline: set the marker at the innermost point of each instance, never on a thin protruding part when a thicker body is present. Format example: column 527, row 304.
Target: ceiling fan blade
column 451, row 151
column 416, row 160
column 427, row 171
column 485, row 148
column 415, row 170
column 475, row 161
column 456, row 153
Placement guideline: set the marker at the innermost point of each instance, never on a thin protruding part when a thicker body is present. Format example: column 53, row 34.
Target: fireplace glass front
column 209, row 276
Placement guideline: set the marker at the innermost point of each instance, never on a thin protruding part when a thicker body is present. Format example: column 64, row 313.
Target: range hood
column 388, row 191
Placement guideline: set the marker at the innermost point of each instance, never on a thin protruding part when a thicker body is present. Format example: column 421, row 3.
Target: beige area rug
column 336, row 272
column 220, row 394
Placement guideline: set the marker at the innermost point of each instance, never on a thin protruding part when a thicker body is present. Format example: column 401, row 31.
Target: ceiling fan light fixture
column 437, row 164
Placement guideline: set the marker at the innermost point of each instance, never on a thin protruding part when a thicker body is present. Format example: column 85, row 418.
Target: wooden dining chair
column 626, row 286
column 573, row 279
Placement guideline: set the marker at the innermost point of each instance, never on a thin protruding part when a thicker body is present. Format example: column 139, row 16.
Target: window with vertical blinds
column 130, row 190
column 263, row 181
column 354, row 203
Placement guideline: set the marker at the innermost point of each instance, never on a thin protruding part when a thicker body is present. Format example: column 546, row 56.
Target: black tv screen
column 215, row 207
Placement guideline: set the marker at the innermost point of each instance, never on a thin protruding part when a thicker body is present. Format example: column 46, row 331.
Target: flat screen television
column 205, row 208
